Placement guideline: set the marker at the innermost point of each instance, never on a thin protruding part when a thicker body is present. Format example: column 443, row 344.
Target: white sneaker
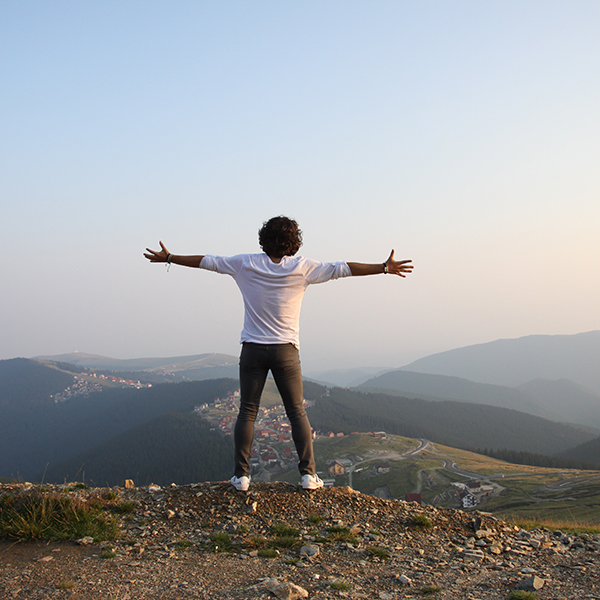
column 311, row 482
column 241, row 484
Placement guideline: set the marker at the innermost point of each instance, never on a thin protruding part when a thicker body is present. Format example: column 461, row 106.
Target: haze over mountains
column 128, row 430
column 515, row 362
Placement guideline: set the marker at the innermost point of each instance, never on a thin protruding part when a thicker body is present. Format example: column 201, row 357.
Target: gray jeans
column 256, row 360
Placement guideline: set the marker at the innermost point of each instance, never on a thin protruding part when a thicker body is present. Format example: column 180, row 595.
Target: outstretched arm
column 394, row 267
column 163, row 256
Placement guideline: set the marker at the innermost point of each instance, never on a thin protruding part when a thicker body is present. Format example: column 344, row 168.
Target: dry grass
column 53, row 516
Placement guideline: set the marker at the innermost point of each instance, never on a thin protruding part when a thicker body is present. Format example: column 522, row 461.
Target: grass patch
column 183, row 545
column 66, row 584
column 284, row 536
column 521, row 595
column 108, row 554
column 125, row 508
column 339, row 585
column 283, row 530
column 315, row 519
column 268, row 553
column 256, row 542
column 430, row 590
column 220, row 542
column 422, row 522
column 284, row 541
column 341, row 534
column 553, row 525
column 378, row 552
column 52, row 516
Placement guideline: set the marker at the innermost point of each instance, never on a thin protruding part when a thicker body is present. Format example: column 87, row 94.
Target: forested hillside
column 588, row 452
column 173, row 448
column 35, row 432
column 457, row 424
column 26, row 383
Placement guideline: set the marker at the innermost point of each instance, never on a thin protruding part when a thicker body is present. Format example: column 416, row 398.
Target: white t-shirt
column 273, row 292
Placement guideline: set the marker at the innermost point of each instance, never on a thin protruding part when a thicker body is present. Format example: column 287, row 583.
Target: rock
column 385, row 596
column 495, row 549
column 531, row 583
column 309, row 551
column 288, row 591
column 473, row 555
column 404, row 580
column 85, row 541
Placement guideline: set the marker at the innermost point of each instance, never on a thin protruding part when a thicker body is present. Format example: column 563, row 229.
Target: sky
column 465, row 135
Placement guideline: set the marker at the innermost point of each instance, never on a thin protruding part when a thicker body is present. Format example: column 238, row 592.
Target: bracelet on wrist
column 385, row 269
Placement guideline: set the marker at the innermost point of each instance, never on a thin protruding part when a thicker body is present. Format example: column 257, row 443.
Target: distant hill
column 193, row 368
column 562, row 400
column 514, row 362
column 457, row 424
column 568, row 400
column 345, row 377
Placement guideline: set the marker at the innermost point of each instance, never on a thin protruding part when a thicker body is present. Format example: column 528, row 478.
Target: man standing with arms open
column 272, row 285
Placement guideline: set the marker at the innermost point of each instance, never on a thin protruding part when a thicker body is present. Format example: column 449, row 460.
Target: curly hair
column 280, row 236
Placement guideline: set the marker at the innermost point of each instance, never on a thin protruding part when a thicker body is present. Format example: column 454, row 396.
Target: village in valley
column 91, row 383
column 274, row 456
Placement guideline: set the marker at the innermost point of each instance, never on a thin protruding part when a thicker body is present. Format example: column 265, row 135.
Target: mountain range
column 519, row 403
column 154, row 434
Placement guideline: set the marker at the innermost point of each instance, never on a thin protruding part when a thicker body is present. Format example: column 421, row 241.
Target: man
column 272, row 286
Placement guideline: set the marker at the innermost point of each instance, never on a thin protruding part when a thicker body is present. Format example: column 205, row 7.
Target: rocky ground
column 208, row 541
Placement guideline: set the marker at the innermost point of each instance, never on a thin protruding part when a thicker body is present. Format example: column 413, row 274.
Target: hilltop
column 208, row 541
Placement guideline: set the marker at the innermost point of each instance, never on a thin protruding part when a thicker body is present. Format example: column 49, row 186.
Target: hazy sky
column 464, row 134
